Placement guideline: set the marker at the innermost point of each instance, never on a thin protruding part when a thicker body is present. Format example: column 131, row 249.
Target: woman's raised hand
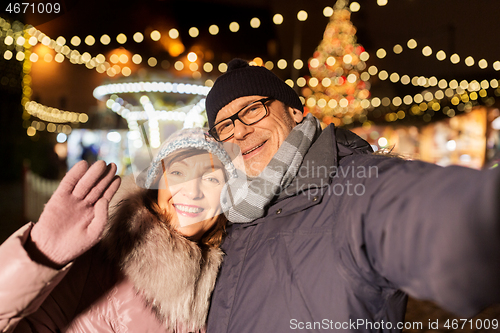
column 74, row 218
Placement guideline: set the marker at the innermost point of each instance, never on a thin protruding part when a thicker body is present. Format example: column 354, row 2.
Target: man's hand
column 74, row 218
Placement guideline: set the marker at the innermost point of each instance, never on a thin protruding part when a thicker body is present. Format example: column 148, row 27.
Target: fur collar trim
column 175, row 276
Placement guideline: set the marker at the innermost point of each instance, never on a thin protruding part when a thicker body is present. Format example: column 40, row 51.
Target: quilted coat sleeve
column 24, row 284
column 433, row 232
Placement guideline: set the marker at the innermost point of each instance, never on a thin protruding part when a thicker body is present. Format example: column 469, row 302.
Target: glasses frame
column 235, row 117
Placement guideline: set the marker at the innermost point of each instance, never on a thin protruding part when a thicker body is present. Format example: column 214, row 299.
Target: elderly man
column 327, row 236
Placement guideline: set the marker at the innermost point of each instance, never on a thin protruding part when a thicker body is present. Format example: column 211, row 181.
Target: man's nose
column 241, row 130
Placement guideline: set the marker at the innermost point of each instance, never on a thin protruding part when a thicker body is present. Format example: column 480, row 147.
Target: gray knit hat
column 197, row 138
column 240, row 80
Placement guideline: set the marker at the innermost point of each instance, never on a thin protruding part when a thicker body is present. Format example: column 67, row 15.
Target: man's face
column 260, row 141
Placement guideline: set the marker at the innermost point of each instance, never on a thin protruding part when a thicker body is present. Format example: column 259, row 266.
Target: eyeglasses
column 248, row 115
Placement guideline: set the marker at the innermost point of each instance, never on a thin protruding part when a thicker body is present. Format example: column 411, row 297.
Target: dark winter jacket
column 355, row 233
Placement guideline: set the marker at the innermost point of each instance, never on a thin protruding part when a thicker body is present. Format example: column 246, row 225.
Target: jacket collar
column 321, row 161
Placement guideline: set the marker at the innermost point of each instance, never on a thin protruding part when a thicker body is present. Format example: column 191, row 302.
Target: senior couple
column 297, row 253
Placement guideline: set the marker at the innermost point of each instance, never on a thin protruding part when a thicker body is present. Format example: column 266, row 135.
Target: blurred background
column 88, row 79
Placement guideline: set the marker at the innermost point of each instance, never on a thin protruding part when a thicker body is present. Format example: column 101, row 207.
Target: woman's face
column 190, row 191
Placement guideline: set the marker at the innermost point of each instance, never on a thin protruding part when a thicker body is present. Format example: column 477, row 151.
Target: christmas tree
column 336, row 93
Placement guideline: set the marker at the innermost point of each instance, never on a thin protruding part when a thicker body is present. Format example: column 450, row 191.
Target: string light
column 469, row 61
column 8, row 55
column 8, row 40
column 105, row 39
column 427, row 51
column 278, row 19
column 155, row 35
column 302, row 15
column 255, row 22
column 121, row 38
column 192, row 56
column 381, row 53
column 173, row 33
column 152, row 62
column 441, row 55
column 298, row 64
column 54, row 115
column 412, row 44
column 138, row 37
column 89, row 40
column 194, row 32
column 75, row 41
column 328, row 11
column 63, row 50
column 208, row 67
column 179, row 65
column 234, row 26
column 222, row 67
column 213, row 29
column 136, row 59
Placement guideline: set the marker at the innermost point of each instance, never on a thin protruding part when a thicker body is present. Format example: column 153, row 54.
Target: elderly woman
column 152, row 268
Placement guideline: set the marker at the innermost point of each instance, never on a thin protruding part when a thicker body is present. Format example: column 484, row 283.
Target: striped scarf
column 244, row 200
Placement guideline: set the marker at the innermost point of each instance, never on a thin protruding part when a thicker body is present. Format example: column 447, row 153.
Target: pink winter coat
column 142, row 277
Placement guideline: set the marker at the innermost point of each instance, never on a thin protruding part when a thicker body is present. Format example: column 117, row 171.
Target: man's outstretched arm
column 432, row 232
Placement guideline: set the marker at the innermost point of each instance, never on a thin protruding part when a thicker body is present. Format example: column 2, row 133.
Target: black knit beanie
column 240, row 80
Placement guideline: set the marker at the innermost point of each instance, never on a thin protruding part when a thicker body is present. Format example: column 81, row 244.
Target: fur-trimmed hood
column 174, row 274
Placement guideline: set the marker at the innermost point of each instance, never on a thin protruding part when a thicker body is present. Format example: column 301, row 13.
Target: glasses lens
column 224, row 129
column 253, row 113
column 249, row 116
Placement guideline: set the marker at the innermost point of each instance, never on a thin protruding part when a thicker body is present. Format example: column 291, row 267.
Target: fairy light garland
column 22, row 42
column 63, row 51
column 54, row 115
column 427, row 51
column 102, row 66
column 419, row 103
